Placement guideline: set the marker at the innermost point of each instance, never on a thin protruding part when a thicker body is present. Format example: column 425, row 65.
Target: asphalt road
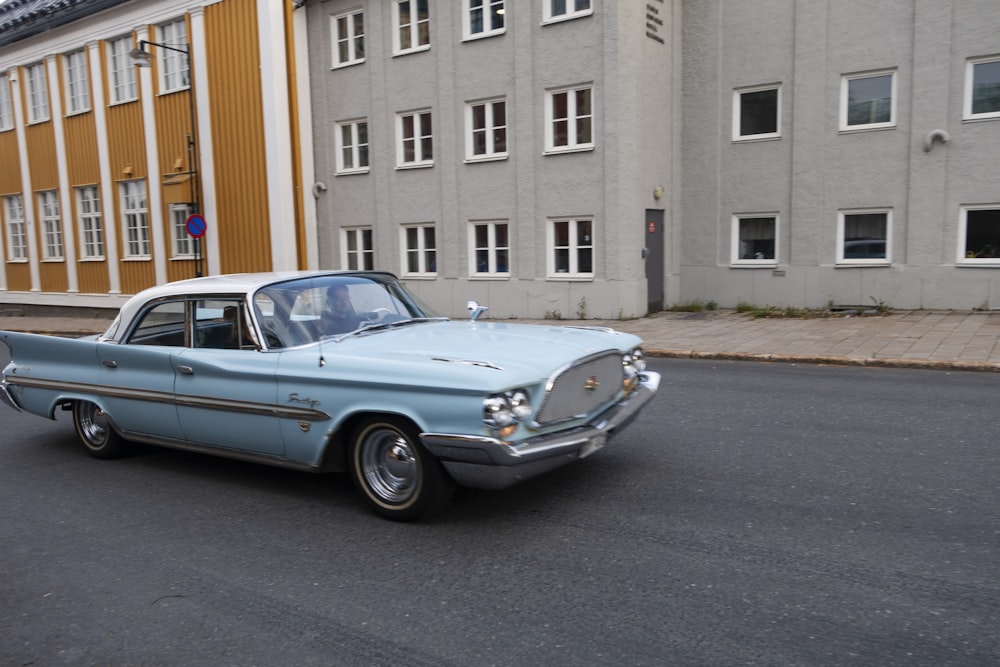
column 757, row 514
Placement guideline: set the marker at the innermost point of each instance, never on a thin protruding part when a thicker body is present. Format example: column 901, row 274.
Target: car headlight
column 504, row 411
column 633, row 365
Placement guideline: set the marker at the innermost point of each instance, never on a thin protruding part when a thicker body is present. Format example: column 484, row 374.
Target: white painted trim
column 277, row 134
column 154, row 200
column 307, row 167
column 66, row 220
column 108, row 194
column 206, row 151
column 27, row 195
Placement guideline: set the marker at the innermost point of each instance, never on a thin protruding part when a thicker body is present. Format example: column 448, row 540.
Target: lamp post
column 142, row 58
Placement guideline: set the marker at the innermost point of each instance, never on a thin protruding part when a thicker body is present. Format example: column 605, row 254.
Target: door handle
column 110, row 363
column 185, row 370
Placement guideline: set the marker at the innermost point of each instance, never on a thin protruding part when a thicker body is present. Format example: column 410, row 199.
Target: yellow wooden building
column 123, row 124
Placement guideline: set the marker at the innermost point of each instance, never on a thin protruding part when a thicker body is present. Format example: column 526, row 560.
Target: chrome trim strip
column 7, row 398
column 181, row 400
column 250, row 457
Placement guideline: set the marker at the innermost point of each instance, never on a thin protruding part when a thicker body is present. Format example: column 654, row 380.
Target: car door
column 225, row 390
column 137, row 377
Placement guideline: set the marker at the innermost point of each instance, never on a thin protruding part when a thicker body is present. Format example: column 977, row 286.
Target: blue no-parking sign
column 196, row 226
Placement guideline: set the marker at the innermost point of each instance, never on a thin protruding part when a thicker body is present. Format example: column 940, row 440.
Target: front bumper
column 488, row 463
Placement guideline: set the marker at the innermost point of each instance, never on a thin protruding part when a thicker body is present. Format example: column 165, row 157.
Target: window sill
column 990, row 263
column 981, row 118
column 407, row 52
column 750, row 264
column 78, row 112
column 582, row 148
column 754, row 138
column 866, row 128
column 483, row 35
column 93, row 259
column 352, row 172
column 115, row 103
column 145, row 258
column 415, row 165
column 496, row 157
column 181, row 89
column 489, row 276
column 861, row 264
column 351, row 63
column 570, row 278
column 419, row 276
column 18, row 260
column 566, row 17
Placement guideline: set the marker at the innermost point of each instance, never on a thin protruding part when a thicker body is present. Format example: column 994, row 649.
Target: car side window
column 222, row 324
column 163, row 324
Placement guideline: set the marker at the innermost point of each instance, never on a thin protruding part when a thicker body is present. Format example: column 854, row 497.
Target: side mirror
column 475, row 310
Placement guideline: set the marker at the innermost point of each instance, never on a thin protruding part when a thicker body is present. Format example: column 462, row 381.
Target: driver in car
column 339, row 316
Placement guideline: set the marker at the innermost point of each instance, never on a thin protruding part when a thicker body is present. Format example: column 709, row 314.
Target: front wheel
column 396, row 475
column 96, row 432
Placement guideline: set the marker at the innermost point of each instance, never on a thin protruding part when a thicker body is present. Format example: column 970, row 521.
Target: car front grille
column 582, row 388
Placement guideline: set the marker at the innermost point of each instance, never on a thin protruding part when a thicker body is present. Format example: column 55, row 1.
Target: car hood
column 476, row 353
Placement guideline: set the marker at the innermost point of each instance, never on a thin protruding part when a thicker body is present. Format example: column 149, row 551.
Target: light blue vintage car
column 334, row 371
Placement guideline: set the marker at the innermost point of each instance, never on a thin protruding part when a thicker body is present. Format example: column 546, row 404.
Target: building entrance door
column 653, row 253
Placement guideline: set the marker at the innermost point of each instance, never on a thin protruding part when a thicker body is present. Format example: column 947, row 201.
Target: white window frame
column 492, row 249
column 175, row 67
column 487, row 10
column 738, row 113
column 963, row 230
column 970, row 73
column 135, row 220
column 845, row 87
column 77, row 82
column 90, row 223
column 572, row 9
column 6, row 107
column 354, row 153
column 52, row 232
column 348, row 38
column 411, row 129
column 17, row 229
column 735, row 254
column 406, row 37
column 420, row 246
column 841, row 240
column 572, row 119
column 182, row 244
column 38, row 93
column 575, row 245
column 122, row 71
column 357, row 248
column 490, row 129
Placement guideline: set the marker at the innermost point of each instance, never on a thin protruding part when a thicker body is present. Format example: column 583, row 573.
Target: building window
column 358, row 253
column 486, row 135
column 982, row 88
column 419, row 251
column 560, row 10
column 348, row 38
column 412, row 26
column 571, row 248
column 484, row 17
column 77, row 83
column 868, row 101
column 135, row 219
column 489, row 249
column 415, row 147
column 181, row 241
column 569, row 119
column 863, row 237
column 755, row 240
column 757, row 113
column 91, row 227
column 979, row 235
column 175, row 67
column 352, row 146
column 38, row 93
column 122, row 70
column 6, row 110
column 52, row 234
column 17, row 239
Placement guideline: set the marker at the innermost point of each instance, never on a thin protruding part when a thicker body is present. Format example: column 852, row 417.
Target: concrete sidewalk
column 955, row 340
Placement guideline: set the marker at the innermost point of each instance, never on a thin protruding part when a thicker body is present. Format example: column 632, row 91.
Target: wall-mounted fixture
column 658, row 193
column 935, row 135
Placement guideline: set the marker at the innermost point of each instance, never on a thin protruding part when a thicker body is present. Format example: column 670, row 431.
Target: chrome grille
column 582, row 388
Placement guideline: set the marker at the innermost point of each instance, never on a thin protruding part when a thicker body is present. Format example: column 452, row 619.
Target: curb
column 819, row 360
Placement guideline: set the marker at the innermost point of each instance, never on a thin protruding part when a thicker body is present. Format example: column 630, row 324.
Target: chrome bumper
column 489, row 463
column 6, row 397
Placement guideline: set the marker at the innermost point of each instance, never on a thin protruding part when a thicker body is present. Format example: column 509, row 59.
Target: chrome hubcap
column 93, row 425
column 389, row 465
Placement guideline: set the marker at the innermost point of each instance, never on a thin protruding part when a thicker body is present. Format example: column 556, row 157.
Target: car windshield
column 305, row 310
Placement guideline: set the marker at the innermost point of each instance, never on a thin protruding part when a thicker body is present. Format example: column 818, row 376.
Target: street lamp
column 143, row 58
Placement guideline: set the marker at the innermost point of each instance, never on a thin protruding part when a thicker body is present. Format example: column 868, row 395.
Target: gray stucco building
column 604, row 159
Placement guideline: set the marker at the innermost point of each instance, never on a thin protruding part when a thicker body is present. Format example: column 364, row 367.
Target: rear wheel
column 96, row 432
column 395, row 473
